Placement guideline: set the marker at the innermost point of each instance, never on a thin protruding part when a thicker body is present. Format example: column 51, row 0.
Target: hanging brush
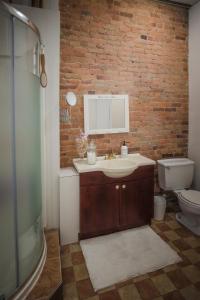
column 43, row 74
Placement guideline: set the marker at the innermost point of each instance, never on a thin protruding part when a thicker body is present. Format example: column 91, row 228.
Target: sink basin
column 114, row 168
column 117, row 168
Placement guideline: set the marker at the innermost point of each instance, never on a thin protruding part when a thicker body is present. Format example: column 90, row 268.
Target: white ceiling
column 189, row 2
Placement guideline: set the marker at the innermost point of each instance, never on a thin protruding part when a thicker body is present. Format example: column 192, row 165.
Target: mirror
column 106, row 114
column 71, row 98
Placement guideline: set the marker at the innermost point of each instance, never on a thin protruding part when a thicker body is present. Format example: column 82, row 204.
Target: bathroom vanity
column 110, row 203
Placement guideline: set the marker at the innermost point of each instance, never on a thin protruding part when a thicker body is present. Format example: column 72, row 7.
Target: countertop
column 82, row 166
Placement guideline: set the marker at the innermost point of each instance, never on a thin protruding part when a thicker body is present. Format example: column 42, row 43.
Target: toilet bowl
column 189, row 202
column 176, row 175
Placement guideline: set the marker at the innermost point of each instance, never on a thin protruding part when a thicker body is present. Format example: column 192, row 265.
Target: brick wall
column 134, row 47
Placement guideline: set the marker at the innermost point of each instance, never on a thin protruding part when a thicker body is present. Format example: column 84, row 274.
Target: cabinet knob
column 117, row 187
column 123, row 186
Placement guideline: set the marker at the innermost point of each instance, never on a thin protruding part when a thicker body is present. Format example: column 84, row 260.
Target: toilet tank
column 175, row 173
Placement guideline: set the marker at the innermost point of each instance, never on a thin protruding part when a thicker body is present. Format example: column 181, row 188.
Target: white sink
column 119, row 167
column 115, row 168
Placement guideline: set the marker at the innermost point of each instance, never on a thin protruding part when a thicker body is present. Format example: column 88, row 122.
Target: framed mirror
column 106, row 114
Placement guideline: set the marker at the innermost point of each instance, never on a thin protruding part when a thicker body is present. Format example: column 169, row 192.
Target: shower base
column 32, row 281
column 46, row 281
column 49, row 285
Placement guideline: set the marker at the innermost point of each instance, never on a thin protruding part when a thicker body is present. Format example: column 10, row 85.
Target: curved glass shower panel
column 28, row 152
column 8, row 263
column 21, row 231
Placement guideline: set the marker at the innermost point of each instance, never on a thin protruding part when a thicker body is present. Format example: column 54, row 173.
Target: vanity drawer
column 98, row 177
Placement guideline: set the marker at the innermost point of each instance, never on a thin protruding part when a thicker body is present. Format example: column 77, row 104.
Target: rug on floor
column 119, row 256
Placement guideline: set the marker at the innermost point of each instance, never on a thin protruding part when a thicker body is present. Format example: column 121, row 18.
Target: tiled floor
column 176, row 282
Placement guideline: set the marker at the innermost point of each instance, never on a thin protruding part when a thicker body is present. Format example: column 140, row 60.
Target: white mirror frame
column 104, row 131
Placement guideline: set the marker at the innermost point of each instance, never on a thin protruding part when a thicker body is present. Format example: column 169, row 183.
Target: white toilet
column 176, row 175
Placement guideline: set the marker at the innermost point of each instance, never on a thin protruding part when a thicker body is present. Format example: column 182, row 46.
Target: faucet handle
column 112, row 154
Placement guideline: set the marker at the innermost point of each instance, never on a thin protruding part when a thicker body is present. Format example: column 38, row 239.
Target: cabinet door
column 130, row 210
column 146, row 192
column 136, row 203
column 99, row 211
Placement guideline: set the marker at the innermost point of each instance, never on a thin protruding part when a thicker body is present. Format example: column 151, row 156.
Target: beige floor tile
column 155, row 228
column 66, row 261
column 85, row 289
column 173, row 224
column 74, row 247
column 173, row 216
column 193, row 241
column 173, row 246
column 70, row 292
column 163, row 284
column 123, row 283
column 65, row 250
column 154, row 221
column 140, row 278
column 80, row 272
column 170, row 268
column 129, row 292
column 192, row 255
column 110, row 288
column 190, row 293
column 171, row 235
column 192, row 273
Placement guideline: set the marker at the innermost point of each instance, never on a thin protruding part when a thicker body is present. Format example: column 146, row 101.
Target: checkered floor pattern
column 176, row 282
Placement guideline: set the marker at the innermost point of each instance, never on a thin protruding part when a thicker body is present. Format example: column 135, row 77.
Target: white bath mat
column 119, row 256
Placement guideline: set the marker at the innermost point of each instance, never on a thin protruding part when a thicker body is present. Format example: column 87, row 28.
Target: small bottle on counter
column 91, row 153
column 124, row 149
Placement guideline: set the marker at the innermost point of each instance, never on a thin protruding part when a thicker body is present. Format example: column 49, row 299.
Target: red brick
column 134, row 47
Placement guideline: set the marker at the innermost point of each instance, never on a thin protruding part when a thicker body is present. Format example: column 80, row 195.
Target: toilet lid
column 191, row 196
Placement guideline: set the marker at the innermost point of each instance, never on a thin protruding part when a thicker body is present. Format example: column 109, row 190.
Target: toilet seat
column 190, row 196
column 189, row 202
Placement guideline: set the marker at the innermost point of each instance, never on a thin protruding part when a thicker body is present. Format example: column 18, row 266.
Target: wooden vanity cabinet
column 112, row 204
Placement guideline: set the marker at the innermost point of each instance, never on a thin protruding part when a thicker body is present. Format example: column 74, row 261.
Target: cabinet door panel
column 99, row 209
column 130, row 210
column 136, row 203
column 146, row 191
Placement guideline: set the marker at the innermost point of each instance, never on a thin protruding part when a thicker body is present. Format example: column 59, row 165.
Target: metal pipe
column 20, row 16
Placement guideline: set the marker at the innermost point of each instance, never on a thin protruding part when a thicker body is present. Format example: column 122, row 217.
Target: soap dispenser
column 124, row 149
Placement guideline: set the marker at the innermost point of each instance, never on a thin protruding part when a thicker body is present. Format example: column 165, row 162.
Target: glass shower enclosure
column 21, row 232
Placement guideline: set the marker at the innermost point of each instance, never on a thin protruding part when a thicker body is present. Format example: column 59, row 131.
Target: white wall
column 194, row 90
column 48, row 22
column 51, row 4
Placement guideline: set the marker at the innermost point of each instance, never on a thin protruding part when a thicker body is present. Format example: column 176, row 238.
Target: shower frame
column 24, row 288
